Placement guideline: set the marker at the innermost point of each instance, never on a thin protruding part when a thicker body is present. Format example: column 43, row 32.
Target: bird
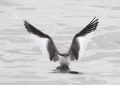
column 48, row 48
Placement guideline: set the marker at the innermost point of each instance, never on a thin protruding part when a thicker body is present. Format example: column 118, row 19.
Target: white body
column 64, row 60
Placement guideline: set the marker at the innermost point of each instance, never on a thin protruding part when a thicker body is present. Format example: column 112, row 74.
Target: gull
column 49, row 49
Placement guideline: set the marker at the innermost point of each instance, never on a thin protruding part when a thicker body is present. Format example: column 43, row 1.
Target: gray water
column 22, row 63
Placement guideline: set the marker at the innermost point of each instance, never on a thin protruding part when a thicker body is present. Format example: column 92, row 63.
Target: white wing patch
column 42, row 43
column 83, row 42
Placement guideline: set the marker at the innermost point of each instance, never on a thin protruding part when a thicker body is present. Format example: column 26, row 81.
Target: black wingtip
column 25, row 22
column 94, row 17
column 92, row 26
column 31, row 29
column 94, row 20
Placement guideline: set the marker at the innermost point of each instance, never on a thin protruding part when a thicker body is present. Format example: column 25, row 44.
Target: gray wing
column 43, row 39
column 79, row 40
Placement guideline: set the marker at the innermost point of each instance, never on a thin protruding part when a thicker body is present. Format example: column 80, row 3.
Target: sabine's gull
column 48, row 47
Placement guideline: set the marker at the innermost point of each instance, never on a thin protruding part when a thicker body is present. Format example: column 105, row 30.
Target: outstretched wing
column 44, row 41
column 80, row 40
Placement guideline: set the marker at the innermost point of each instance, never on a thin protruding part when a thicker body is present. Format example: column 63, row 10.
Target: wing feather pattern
column 44, row 41
column 80, row 40
column 47, row 45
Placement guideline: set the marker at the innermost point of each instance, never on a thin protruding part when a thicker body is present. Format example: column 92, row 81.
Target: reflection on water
column 21, row 61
